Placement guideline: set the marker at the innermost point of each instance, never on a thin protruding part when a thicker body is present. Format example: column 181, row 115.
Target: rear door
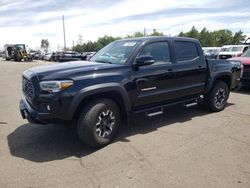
column 190, row 68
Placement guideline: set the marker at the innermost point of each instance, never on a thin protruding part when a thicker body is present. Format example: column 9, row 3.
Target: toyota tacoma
column 128, row 76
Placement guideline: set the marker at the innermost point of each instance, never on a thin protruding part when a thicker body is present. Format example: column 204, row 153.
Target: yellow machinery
column 17, row 52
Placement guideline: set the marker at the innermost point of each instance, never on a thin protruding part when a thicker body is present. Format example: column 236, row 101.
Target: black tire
column 91, row 129
column 216, row 99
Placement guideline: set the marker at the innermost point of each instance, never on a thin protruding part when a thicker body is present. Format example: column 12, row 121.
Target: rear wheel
column 216, row 99
column 98, row 123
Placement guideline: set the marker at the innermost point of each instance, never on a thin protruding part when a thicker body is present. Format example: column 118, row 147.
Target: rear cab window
column 186, row 52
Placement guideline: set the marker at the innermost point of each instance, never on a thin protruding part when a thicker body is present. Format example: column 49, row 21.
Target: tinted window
column 245, row 49
column 246, row 54
column 185, row 51
column 159, row 51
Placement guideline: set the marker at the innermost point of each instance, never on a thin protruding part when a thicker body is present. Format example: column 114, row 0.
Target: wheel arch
column 225, row 77
column 115, row 92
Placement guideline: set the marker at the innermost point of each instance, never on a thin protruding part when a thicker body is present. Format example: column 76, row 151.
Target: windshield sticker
column 129, row 44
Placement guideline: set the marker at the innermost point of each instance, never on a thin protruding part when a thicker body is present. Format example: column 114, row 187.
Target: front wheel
column 216, row 99
column 98, row 123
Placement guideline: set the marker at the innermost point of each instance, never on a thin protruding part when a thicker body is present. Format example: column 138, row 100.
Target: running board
column 157, row 110
column 191, row 104
column 155, row 113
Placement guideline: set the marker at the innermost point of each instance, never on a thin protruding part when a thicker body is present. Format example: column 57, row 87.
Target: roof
column 152, row 38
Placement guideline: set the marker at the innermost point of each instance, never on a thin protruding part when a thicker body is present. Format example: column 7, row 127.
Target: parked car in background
column 89, row 55
column 233, row 51
column 37, row 55
column 32, row 53
column 245, row 60
column 53, row 56
column 47, row 56
column 56, row 56
column 70, row 56
column 211, row 52
column 247, row 41
column 225, row 48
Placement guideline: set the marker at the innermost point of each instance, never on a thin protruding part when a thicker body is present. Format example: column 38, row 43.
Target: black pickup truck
column 129, row 76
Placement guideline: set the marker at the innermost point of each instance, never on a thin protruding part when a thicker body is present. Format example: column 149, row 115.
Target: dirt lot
column 182, row 148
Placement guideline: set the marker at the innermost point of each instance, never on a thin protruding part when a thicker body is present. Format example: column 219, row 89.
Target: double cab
column 125, row 78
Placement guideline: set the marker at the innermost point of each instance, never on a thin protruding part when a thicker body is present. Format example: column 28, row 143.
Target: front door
column 148, row 80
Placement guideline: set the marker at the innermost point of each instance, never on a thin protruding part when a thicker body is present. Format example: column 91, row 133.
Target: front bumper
column 32, row 115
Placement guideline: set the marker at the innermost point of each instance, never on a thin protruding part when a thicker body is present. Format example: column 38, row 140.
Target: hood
column 70, row 69
column 243, row 60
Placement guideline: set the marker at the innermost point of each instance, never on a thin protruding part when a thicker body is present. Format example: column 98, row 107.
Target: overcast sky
column 29, row 21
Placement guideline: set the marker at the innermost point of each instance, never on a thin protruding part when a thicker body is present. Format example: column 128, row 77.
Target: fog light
column 48, row 107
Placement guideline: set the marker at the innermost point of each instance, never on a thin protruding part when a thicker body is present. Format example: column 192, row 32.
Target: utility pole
column 80, row 40
column 64, row 33
column 144, row 32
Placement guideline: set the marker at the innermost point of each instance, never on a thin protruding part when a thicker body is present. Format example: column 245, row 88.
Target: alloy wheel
column 220, row 97
column 106, row 121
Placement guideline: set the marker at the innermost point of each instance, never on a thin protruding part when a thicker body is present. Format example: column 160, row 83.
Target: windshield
column 236, row 49
column 116, row 53
column 20, row 46
column 246, row 54
column 224, row 49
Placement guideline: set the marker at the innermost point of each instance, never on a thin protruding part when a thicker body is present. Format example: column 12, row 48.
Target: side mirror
column 144, row 60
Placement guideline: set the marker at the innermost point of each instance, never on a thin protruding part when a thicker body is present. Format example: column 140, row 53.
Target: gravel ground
column 181, row 148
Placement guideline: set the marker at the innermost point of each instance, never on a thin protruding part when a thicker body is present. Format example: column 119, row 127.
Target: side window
column 245, row 49
column 185, row 51
column 159, row 51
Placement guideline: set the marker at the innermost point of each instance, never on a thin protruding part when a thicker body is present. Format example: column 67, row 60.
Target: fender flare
column 212, row 80
column 98, row 89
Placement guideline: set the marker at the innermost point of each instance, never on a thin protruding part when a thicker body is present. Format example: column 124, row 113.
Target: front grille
column 224, row 56
column 28, row 89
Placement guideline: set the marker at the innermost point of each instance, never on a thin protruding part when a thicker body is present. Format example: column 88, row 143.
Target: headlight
column 55, row 86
